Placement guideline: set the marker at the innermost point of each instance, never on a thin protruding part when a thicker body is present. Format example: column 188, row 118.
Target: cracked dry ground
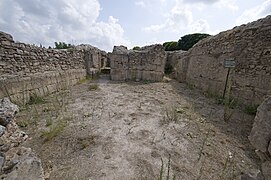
column 122, row 130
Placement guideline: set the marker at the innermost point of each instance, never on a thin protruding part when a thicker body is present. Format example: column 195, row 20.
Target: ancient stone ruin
column 147, row 63
column 260, row 136
column 249, row 45
column 16, row 161
column 27, row 70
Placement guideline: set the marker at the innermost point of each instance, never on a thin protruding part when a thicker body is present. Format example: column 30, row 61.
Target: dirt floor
column 127, row 130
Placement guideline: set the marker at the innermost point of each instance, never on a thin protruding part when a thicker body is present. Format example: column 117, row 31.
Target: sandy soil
column 123, row 130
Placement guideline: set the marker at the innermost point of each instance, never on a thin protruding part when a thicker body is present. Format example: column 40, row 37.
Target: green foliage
column 93, row 87
column 35, row 99
column 168, row 68
column 171, row 46
column 251, row 109
column 136, row 48
column 185, row 43
column 63, row 45
column 53, row 131
column 161, row 174
column 188, row 41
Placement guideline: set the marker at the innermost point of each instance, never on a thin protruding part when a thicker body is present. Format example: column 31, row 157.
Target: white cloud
column 179, row 19
column 255, row 13
column 140, row 4
column 73, row 21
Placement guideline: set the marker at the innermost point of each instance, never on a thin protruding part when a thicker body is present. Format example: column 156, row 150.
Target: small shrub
column 93, row 87
column 53, row 131
column 23, row 123
column 35, row 99
column 136, row 48
column 83, row 80
column 168, row 68
column 49, row 122
column 251, row 109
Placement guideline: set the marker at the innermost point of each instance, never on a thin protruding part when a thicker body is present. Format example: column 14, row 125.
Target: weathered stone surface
column 254, row 174
column 7, row 111
column 23, row 59
column 16, row 162
column 2, row 160
column 5, row 37
column 2, row 130
column 28, row 167
column 266, row 169
column 147, row 63
column 260, row 135
column 249, row 45
column 120, row 50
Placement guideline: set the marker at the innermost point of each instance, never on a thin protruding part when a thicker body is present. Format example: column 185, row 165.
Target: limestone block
column 135, row 75
column 152, row 76
column 7, row 111
column 260, row 135
column 266, row 169
column 118, row 75
column 120, row 50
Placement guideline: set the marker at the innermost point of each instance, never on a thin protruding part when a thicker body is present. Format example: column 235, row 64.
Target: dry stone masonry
column 260, row 136
column 249, row 45
column 26, row 69
column 147, row 63
column 16, row 161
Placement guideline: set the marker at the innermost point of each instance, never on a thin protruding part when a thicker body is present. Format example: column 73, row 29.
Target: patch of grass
column 35, row 99
column 23, row 123
column 93, row 87
column 53, row 131
column 170, row 115
column 251, row 109
column 49, row 122
column 83, row 80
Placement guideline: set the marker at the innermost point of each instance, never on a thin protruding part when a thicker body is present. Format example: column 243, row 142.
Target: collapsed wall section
column 147, row 63
column 249, row 45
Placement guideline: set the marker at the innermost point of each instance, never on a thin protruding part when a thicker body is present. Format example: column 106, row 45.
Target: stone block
column 260, row 135
column 266, row 169
column 118, row 75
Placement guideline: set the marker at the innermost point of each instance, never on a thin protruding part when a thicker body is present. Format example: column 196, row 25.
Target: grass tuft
column 93, row 87
column 170, row 115
column 36, row 99
column 251, row 109
column 53, row 131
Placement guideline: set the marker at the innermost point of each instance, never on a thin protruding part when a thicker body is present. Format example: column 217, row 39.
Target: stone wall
column 147, row 63
column 20, row 88
column 16, row 161
column 260, row 136
column 249, row 45
column 26, row 69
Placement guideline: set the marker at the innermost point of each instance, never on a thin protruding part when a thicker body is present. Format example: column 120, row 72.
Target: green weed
column 36, row 99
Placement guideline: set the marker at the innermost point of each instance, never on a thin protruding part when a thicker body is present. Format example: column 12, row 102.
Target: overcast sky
column 104, row 23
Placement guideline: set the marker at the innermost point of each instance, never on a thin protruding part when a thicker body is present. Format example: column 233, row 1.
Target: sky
column 105, row 23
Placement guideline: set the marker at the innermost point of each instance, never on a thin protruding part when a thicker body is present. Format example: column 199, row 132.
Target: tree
column 188, row 41
column 136, row 48
column 171, row 46
column 63, row 45
column 185, row 43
